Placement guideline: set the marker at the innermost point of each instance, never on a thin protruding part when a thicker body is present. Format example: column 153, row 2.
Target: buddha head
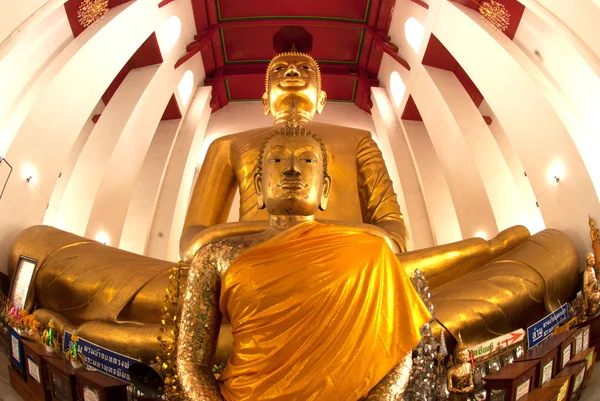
column 293, row 78
column 461, row 352
column 590, row 259
column 292, row 176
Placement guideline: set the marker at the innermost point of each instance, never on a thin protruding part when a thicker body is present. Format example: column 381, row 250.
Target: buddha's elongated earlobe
column 260, row 200
column 325, row 193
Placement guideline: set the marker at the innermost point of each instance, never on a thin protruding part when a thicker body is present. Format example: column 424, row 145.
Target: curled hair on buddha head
column 298, row 54
column 292, row 128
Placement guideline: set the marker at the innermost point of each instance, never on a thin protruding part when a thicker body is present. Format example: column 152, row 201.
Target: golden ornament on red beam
column 91, row 11
column 494, row 13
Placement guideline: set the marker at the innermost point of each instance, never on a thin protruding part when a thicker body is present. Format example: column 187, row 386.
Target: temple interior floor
column 591, row 392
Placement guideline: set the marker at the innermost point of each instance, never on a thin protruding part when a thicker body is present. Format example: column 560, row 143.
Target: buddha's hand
column 393, row 385
column 198, row 382
column 199, row 327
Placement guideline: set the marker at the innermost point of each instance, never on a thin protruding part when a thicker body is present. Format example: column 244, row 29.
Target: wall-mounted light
column 29, row 173
column 102, row 237
column 481, row 234
column 556, row 172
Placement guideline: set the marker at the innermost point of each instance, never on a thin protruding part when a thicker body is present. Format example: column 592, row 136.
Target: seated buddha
column 364, row 192
column 318, row 311
column 114, row 298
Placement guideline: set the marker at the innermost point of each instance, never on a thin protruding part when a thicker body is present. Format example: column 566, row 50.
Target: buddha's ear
column 265, row 102
column 322, row 99
column 325, row 193
column 260, row 200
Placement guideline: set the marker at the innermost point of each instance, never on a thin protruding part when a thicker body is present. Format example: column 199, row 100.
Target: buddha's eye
column 306, row 67
column 278, row 68
column 310, row 160
column 275, row 160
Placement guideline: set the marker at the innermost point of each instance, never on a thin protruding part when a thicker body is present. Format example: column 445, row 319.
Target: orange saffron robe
column 318, row 313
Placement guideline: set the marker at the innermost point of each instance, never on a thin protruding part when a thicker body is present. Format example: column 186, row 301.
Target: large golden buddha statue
column 318, row 311
column 114, row 298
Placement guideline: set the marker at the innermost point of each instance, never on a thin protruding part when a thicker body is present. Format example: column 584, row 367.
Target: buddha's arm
column 213, row 193
column 450, row 381
column 378, row 200
column 200, row 322
column 393, row 385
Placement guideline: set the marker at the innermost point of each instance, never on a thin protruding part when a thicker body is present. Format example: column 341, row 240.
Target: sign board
column 16, row 350
column 486, row 348
column 102, row 359
column 539, row 331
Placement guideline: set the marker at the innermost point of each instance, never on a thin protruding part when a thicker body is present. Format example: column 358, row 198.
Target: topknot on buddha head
column 461, row 351
column 293, row 78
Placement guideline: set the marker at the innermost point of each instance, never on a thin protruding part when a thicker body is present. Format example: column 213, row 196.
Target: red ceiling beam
column 199, row 44
column 387, row 47
column 164, row 3
column 260, row 69
column 287, row 21
column 421, row 3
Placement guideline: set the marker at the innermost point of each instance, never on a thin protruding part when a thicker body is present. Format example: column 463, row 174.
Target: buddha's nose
column 292, row 167
column 292, row 72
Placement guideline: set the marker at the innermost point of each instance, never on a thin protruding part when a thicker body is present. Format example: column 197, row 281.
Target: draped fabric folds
column 318, row 313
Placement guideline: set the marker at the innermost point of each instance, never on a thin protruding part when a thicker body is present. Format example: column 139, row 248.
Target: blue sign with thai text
column 539, row 331
column 102, row 359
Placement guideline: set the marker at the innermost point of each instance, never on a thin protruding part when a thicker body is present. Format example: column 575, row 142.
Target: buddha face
column 590, row 259
column 293, row 79
column 462, row 355
column 292, row 181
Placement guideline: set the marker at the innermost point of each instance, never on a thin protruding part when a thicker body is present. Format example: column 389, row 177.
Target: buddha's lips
column 291, row 82
column 292, row 184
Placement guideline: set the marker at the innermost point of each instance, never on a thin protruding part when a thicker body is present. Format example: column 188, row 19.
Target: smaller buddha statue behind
column 460, row 376
column 591, row 292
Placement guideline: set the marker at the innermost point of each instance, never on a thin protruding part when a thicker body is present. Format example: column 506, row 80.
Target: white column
column 120, row 174
column 21, row 67
column 499, row 185
column 504, row 76
column 569, row 83
column 17, row 17
column 401, row 166
column 470, row 198
column 440, row 207
column 535, row 222
column 577, row 21
column 91, row 167
column 136, row 229
column 175, row 191
column 80, row 75
column 116, row 188
column 51, row 216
